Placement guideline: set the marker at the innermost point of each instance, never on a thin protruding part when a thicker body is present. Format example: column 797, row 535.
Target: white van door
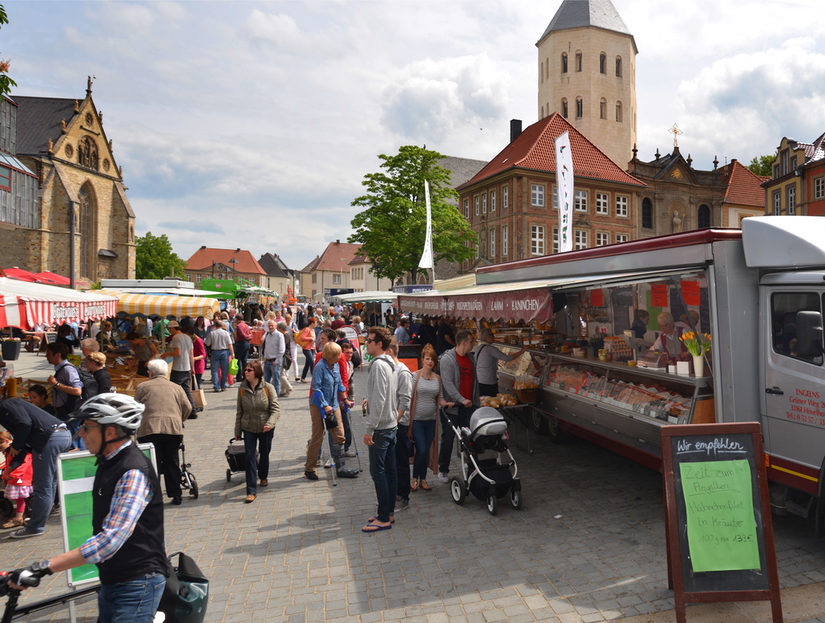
column 794, row 387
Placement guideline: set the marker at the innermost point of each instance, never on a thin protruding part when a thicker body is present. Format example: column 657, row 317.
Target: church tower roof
column 581, row 13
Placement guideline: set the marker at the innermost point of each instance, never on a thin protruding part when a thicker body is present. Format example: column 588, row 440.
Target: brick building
column 71, row 175
column 512, row 204
column 211, row 263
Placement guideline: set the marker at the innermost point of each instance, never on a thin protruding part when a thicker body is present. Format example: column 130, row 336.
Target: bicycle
column 187, row 478
column 30, row 578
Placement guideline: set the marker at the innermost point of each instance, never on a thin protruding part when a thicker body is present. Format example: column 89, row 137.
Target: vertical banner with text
column 564, row 184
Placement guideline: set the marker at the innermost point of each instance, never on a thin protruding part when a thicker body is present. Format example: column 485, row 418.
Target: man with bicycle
column 127, row 517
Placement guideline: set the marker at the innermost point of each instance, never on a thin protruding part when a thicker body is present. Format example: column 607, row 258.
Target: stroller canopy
column 487, row 421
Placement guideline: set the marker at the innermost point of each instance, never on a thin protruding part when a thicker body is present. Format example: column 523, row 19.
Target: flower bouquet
column 696, row 343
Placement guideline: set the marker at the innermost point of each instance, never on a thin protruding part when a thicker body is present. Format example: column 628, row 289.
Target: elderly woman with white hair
column 166, row 408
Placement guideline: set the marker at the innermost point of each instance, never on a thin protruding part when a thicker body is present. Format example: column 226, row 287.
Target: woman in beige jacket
column 166, row 407
column 257, row 413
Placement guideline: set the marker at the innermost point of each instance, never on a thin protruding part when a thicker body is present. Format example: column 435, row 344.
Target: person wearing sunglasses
column 127, row 515
column 255, row 418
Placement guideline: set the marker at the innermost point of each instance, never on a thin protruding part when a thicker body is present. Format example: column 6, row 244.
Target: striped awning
column 24, row 304
column 164, row 305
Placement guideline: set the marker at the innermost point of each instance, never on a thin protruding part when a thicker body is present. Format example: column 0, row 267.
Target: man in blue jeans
column 46, row 436
column 127, row 516
column 272, row 354
column 381, row 423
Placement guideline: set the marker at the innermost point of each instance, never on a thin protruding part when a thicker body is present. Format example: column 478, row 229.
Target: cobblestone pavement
column 588, row 546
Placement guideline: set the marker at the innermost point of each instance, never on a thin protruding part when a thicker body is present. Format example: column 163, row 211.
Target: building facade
column 587, row 74
column 512, row 203
column 279, row 278
column 797, row 185
column 679, row 197
column 75, row 201
column 235, row 264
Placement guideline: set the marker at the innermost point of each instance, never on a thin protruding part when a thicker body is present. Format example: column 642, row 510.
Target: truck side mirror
column 808, row 334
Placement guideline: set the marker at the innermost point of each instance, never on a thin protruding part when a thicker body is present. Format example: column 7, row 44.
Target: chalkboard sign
column 719, row 530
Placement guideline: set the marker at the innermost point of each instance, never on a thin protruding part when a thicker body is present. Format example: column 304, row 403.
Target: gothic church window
column 564, row 107
column 647, row 213
column 618, row 112
column 603, row 109
column 578, row 61
column 618, row 66
column 564, row 62
column 602, row 63
column 579, row 108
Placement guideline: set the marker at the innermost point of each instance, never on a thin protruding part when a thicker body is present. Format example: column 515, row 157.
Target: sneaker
column 402, row 505
column 350, row 454
column 22, row 533
column 328, row 464
column 443, row 477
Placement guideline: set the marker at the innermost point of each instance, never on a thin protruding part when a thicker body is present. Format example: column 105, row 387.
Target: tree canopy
column 154, row 258
column 6, row 83
column 763, row 165
column 393, row 222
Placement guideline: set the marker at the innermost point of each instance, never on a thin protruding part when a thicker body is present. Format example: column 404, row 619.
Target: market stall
column 164, row 304
column 24, row 304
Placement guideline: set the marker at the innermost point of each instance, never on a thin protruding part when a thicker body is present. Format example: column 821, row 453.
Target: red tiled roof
column 535, row 149
column 244, row 262
column 744, row 186
column 311, row 266
column 337, row 255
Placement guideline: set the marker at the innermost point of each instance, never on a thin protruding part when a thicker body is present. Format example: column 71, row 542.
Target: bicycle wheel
column 193, row 485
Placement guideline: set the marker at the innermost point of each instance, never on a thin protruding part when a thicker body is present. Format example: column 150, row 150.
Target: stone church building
column 80, row 200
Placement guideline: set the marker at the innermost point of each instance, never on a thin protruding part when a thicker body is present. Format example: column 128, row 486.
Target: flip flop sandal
column 425, row 486
column 374, row 527
column 373, row 519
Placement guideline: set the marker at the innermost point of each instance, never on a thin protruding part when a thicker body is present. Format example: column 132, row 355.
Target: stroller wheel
column 492, row 504
column 457, row 491
column 228, row 475
column 193, row 486
column 515, row 499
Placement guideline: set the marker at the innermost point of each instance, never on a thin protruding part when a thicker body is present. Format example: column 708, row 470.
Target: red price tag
column 658, row 295
column 690, row 292
column 597, row 298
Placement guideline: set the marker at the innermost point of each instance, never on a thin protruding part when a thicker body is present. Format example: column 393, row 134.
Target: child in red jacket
column 18, row 480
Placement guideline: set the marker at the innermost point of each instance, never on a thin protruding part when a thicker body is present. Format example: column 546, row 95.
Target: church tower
column 587, row 74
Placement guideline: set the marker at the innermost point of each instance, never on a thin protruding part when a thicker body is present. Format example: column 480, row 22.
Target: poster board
column 75, row 478
column 717, row 515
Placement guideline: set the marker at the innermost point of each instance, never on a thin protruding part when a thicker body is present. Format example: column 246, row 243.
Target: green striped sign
column 75, row 477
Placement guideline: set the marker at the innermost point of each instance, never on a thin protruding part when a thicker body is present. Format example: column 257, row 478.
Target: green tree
column 763, row 165
column 6, row 83
column 392, row 225
column 154, row 258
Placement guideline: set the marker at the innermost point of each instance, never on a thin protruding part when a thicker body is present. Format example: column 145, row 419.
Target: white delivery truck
column 759, row 292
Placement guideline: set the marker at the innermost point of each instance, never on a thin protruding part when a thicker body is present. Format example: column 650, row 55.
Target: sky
column 252, row 124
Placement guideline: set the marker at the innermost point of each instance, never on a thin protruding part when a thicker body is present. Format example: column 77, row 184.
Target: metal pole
column 71, row 243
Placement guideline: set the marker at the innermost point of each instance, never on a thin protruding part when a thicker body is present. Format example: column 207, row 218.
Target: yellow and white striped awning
column 163, row 304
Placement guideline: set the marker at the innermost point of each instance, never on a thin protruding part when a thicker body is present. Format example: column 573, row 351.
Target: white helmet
column 111, row 408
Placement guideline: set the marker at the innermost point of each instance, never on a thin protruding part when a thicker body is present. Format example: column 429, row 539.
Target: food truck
column 590, row 318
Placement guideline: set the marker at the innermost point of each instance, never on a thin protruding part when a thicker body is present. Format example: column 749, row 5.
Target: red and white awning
column 25, row 304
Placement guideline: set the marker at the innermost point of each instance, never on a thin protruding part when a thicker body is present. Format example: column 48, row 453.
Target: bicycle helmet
column 111, row 408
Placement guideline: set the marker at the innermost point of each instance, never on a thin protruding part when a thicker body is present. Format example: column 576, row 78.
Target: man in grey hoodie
column 381, row 409
column 459, row 385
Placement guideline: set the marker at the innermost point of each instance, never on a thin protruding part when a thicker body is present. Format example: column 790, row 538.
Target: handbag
column 198, row 396
column 287, row 362
column 186, row 594
column 233, row 366
column 330, row 421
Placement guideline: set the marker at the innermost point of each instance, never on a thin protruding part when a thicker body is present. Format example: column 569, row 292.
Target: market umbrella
column 20, row 274
column 53, row 279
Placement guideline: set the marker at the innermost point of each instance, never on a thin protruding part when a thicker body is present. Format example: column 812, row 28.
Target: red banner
column 690, row 292
column 658, row 295
column 528, row 305
column 597, row 298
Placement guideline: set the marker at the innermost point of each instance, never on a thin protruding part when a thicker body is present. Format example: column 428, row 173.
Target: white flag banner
column 564, row 184
column 427, row 255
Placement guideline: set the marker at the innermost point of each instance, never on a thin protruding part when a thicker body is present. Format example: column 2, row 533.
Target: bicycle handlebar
column 27, row 577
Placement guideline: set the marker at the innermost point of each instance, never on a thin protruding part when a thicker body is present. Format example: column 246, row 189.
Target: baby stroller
column 490, row 477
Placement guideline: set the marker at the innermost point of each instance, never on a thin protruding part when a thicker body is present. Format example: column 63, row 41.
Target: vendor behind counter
column 487, row 357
